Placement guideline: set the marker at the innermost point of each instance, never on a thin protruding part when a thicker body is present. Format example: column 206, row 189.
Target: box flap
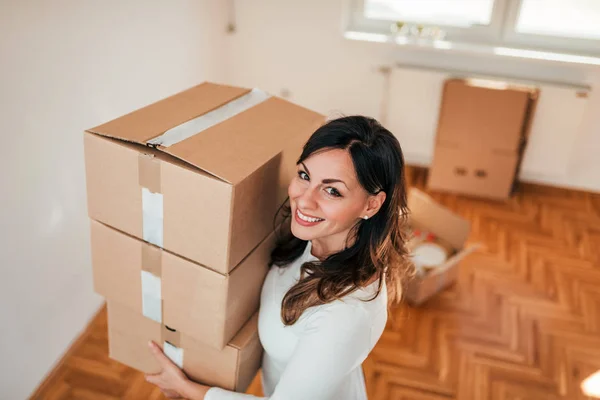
column 248, row 332
column 153, row 120
column 235, row 148
column 253, row 129
column 478, row 113
column 495, row 84
column 426, row 214
column 455, row 259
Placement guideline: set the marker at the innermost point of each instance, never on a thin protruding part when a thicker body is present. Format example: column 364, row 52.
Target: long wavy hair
column 379, row 246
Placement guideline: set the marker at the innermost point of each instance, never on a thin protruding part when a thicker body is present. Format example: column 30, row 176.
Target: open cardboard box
column 481, row 137
column 160, row 285
column 232, row 367
column 201, row 173
column 427, row 215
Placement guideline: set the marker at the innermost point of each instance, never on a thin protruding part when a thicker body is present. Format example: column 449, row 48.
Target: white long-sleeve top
column 320, row 356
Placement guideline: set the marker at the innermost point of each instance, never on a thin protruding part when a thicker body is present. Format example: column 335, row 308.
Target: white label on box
column 151, row 296
column 174, row 353
column 152, row 217
column 210, row 119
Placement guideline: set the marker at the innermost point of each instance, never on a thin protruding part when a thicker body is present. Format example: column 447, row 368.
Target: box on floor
column 164, row 287
column 481, row 136
column 429, row 216
column 232, row 367
column 200, row 173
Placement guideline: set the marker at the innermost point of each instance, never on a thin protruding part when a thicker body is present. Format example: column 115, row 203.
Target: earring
column 366, row 217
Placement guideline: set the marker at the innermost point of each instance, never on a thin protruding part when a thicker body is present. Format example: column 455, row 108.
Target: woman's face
column 326, row 198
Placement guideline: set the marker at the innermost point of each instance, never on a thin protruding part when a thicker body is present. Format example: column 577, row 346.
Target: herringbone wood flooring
column 523, row 322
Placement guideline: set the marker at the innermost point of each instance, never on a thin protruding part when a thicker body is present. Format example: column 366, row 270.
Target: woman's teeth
column 307, row 219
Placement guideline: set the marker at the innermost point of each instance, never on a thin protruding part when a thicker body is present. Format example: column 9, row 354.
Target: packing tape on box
column 152, row 217
column 152, row 282
column 152, row 199
column 210, row 119
column 152, row 303
column 174, row 353
column 149, row 172
column 172, row 345
column 152, row 259
column 151, row 300
column 171, row 335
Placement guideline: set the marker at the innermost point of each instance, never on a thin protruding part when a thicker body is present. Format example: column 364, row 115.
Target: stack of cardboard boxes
column 481, row 137
column 182, row 196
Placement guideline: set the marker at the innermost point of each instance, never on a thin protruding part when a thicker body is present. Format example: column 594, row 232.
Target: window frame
column 544, row 42
column 500, row 32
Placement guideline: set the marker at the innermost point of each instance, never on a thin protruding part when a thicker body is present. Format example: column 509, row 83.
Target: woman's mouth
column 306, row 220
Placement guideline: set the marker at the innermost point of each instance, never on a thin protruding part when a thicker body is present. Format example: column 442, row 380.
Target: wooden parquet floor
column 523, row 321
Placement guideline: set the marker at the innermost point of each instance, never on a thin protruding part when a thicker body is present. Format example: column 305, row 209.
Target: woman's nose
column 306, row 201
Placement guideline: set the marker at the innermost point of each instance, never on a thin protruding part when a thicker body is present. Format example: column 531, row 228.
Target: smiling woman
column 351, row 170
column 339, row 262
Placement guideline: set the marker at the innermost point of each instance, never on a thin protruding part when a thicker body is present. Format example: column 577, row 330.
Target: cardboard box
column 200, row 173
column 427, row 215
column 231, row 368
column 482, row 134
column 484, row 114
column 482, row 173
column 160, row 285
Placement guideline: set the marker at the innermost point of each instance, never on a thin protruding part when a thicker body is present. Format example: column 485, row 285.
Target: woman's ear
column 374, row 203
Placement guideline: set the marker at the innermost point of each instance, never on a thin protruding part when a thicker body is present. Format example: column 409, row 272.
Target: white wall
column 66, row 66
column 298, row 48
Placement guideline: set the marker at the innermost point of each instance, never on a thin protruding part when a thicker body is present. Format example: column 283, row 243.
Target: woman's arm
column 174, row 384
column 194, row 391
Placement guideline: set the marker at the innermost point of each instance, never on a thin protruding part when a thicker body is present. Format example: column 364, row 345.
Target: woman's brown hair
column 379, row 246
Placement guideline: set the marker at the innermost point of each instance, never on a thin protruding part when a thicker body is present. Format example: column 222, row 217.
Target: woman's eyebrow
column 335, row 180
column 327, row 180
column 305, row 168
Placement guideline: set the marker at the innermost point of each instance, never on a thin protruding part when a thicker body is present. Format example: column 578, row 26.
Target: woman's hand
column 171, row 380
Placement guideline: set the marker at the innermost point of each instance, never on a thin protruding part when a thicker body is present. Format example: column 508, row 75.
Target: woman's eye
column 333, row 191
column 303, row 175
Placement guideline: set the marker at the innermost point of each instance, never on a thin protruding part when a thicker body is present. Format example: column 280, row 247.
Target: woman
column 325, row 307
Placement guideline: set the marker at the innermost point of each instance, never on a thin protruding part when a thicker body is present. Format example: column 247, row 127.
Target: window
column 575, row 18
column 440, row 12
column 567, row 26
